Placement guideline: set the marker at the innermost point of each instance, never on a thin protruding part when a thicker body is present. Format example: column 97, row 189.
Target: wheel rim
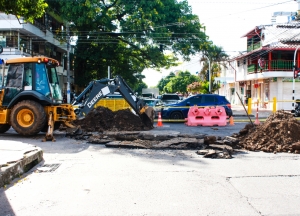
column 176, row 116
column 25, row 118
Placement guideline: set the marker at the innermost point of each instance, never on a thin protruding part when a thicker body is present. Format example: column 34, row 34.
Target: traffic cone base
column 231, row 121
column 159, row 121
column 257, row 122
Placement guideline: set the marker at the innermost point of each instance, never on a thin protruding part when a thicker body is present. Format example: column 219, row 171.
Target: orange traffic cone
column 159, row 121
column 231, row 121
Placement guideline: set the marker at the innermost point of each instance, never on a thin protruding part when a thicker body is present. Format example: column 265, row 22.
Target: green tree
column 217, row 57
column 164, row 81
column 130, row 36
column 177, row 83
column 139, row 87
column 29, row 9
column 180, row 82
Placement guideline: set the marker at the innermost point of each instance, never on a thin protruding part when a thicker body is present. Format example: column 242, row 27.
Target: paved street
column 94, row 180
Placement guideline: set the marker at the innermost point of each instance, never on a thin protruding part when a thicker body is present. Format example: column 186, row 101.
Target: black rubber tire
column 176, row 115
column 4, row 128
column 28, row 118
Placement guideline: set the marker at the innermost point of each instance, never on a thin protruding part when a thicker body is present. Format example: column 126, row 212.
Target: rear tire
column 176, row 115
column 297, row 113
column 28, row 118
column 4, row 128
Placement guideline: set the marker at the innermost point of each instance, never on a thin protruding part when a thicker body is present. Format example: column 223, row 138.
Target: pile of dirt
column 103, row 119
column 279, row 133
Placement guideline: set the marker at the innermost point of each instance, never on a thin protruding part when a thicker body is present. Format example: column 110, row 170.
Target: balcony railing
column 272, row 65
column 21, row 51
column 253, row 46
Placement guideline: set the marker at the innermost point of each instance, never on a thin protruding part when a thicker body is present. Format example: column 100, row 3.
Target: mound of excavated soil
column 279, row 133
column 103, row 119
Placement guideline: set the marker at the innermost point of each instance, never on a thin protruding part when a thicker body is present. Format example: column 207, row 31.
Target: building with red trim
column 265, row 70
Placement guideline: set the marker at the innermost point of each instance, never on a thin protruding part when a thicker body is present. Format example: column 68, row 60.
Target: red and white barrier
column 208, row 116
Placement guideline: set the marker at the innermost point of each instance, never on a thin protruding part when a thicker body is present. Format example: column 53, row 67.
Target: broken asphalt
column 17, row 157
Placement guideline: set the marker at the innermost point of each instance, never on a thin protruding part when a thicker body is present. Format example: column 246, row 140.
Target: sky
column 226, row 21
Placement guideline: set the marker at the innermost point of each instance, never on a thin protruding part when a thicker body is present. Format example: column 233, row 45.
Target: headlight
column 296, row 105
column 165, row 108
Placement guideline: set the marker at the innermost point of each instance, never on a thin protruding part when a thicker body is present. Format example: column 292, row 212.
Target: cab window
column 42, row 85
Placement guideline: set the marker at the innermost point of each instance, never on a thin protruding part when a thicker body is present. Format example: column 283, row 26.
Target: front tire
column 4, row 128
column 176, row 115
column 28, row 118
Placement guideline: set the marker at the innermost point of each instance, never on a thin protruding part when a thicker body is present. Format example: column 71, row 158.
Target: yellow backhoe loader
column 31, row 99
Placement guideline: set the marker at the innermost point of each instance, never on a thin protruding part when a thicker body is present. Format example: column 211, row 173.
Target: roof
column 253, row 31
column 286, row 34
column 263, row 50
column 31, row 59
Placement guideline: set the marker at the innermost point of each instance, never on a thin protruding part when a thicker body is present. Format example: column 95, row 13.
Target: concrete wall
column 283, row 91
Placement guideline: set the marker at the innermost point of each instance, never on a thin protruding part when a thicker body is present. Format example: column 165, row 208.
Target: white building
column 44, row 37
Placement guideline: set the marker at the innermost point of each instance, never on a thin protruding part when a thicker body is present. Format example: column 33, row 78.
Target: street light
column 209, row 76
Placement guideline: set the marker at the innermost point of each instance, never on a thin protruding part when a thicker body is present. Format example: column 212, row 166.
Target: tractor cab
column 30, row 77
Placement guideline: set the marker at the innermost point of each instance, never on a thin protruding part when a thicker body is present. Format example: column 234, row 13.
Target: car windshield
column 150, row 102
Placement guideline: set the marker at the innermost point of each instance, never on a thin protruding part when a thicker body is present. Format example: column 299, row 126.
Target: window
column 42, row 84
column 28, row 74
column 170, row 97
column 3, row 41
column 54, row 84
column 208, row 99
column 196, row 100
column 15, row 75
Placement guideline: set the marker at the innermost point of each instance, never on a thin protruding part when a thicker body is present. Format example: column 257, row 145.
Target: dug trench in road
column 279, row 133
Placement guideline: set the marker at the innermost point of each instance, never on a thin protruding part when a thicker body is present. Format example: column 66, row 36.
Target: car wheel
column 229, row 115
column 176, row 115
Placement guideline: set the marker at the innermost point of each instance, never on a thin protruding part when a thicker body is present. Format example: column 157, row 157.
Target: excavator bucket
column 74, row 131
column 147, row 115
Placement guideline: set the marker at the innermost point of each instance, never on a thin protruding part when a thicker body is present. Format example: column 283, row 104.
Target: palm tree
column 217, row 58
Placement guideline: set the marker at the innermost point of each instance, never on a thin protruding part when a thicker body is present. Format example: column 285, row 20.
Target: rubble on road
column 123, row 129
column 212, row 153
column 212, row 146
column 279, row 133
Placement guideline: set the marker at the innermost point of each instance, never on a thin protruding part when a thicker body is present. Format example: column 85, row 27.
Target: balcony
column 272, row 65
column 253, row 46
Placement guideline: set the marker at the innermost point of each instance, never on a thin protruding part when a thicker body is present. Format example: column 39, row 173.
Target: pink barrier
column 208, row 116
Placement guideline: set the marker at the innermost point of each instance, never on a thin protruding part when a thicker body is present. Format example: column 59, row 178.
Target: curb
column 16, row 168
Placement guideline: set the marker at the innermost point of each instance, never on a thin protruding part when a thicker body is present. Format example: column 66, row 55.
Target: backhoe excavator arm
column 98, row 89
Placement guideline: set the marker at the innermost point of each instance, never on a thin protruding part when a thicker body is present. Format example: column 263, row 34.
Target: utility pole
column 68, row 65
column 294, row 68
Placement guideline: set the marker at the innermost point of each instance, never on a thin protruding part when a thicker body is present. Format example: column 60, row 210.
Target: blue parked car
column 181, row 109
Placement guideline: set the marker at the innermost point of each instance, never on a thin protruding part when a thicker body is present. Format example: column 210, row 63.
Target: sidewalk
column 17, row 158
column 239, row 111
